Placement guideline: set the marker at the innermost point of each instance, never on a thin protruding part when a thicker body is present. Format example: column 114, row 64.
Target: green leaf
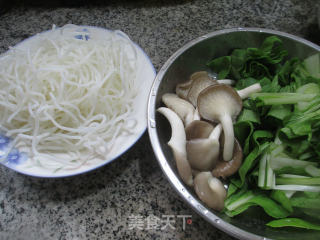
column 280, row 112
column 301, row 125
column 243, row 131
column 237, row 199
column 305, row 202
column 309, row 88
column 232, row 188
column 270, row 206
column 270, row 86
column 281, row 198
column 237, row 182
column 312, row 65
column 315, row 213
column 270, row 52
column 293, row 222
column 284, row 75
column 245, row 82
column 239, row 209
column 239, row 203
column 238, row 59
column 221, row 65
column 249, row 115
column 251, row 160
column 312, row 194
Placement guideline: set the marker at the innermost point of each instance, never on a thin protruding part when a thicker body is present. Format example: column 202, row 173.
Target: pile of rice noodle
column 66, row 99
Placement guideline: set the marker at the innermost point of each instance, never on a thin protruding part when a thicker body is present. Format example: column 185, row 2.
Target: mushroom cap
column 203, row 154
column 198, row 74
column 201, row 80
column 219, row 100
column 183, row 108
column 210, row 190
column 195, row 172
column 198, row 129
column 182, row 89
column 202, row 151
column 225, row 169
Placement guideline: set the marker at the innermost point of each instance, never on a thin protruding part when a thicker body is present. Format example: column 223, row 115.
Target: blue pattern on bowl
column 83, row 34
column 14, row 157
column 4, row 141
column 82, row 37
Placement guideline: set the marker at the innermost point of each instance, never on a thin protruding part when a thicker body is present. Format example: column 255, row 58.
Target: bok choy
column 279, row 130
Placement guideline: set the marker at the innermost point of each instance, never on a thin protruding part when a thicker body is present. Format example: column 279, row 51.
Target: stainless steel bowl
column 193, row 57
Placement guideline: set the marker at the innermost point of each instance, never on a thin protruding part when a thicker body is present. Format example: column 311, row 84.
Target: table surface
column 118, row 201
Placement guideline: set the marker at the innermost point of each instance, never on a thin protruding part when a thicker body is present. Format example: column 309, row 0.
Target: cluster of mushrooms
column 201, row 115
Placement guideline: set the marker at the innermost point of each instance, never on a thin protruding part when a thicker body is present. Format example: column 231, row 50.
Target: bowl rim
column 193, row 202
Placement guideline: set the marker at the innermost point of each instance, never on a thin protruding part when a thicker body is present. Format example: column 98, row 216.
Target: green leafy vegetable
column 293, row 222
column 243, row 200
column 281, row 198
column 279, row 130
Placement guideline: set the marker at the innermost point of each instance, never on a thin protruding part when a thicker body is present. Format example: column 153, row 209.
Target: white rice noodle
column 68, row 97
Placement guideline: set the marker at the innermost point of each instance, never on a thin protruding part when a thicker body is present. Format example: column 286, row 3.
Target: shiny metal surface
column 193, row 57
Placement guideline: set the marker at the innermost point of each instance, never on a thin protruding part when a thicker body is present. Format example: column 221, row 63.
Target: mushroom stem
column 177, row 143
column 215, row 134
column 245, row 93
column 196, row 115
column 227, row 126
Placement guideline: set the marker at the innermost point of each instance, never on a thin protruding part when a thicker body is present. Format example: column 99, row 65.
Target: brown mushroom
column 182, row 89
column 201, row 80
column 198, row 129
column 183, row 108
column 225, row 169
column 205, row 74
column 221, row 103
column 177, row 143
column 198, row 74
column 210, row 190
column 203, row 153
column 195, row 172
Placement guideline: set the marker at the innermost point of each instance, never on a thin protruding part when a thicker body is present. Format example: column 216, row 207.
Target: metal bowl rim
column 173, row 179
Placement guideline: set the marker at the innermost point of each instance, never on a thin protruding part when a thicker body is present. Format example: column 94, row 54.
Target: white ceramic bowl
column 19, row 161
